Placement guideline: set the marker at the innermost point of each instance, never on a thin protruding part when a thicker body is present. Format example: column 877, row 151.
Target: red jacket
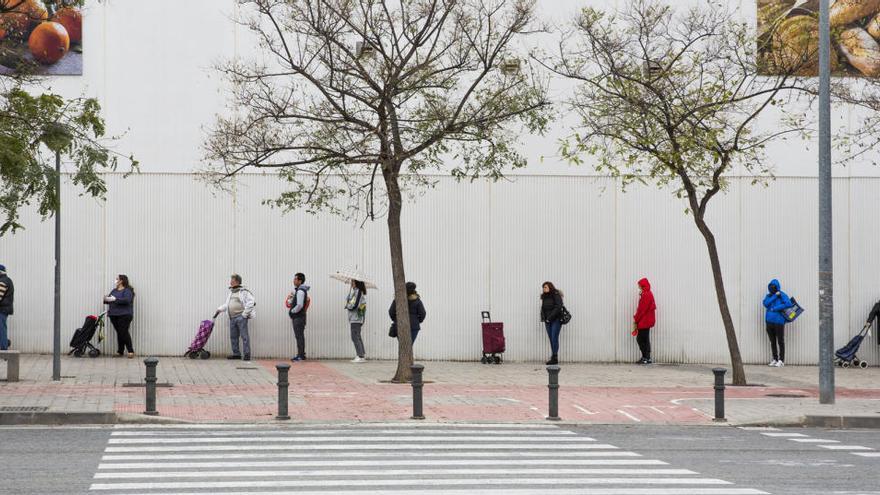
column 645, row 316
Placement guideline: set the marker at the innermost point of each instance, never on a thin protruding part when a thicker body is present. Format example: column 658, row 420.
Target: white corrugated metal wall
column 470, row 247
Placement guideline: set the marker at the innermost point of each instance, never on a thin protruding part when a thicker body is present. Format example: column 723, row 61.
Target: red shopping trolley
column 493, row 340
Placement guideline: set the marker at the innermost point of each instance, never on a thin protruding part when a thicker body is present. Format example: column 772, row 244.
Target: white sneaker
column 773, row 363
column 779, row 364
column 359, row 360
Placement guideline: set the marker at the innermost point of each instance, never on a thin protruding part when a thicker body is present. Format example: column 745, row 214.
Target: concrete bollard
column 417, row 386
column 719, row 393
column 553, row 386
column 150, row 385
column 283, row 384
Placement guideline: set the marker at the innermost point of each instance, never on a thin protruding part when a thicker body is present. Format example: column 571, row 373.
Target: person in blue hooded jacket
column 775, row 301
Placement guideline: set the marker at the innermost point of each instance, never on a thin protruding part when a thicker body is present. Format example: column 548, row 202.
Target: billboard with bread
column 41, row 37
column 788, row 37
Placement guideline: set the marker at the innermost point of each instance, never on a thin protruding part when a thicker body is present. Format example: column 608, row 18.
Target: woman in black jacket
column 417, row 312
column 551, row 312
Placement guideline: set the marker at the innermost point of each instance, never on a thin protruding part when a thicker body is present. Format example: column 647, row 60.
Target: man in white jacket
column 240, row 308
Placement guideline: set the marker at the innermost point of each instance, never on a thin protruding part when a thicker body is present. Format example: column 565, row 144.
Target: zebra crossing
column 383, row 459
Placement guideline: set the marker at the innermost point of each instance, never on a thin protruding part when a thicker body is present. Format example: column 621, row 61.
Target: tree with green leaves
column 33, row 129
column 354, row 102
column 674, row 97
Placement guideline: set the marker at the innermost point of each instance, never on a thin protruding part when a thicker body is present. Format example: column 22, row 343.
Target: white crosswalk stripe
column 384, row 459
column 833, row 445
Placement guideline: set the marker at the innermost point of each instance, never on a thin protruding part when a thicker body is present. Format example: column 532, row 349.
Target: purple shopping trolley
column 197, row 347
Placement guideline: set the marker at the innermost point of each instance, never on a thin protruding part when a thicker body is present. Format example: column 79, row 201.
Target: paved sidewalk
column 222, row 391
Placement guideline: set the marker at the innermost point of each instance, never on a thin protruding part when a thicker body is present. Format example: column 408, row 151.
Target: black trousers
column 299, row 333
column 776, row 333
column 121, row 324
column 643, row 338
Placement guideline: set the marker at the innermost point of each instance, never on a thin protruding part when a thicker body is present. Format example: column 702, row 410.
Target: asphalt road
column 439, row 459
column 781, row 464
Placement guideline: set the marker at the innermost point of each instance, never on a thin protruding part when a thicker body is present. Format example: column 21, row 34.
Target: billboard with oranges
column 41, row 37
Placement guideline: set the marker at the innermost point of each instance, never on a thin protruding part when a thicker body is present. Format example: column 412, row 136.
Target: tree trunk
column 739, row 374
column 404, row 339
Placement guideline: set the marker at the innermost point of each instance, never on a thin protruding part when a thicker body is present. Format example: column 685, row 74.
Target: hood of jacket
column 303, row 287
column 413, row 297
column 773, row 283
column 644, row 284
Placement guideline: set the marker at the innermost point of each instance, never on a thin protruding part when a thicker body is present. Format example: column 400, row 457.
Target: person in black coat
column 417, row 312
column 551, row 314
column 7, row 302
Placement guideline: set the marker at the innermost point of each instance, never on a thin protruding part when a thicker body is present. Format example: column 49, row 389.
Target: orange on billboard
column 788, row 37
column 41, row 37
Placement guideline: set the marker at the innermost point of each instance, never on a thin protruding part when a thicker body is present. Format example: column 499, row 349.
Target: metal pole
column 150, row 386
column 826, row 271
column 719, row 393
column 56, row 330
column 553, row 387
column 417, row 385
column 283, row 369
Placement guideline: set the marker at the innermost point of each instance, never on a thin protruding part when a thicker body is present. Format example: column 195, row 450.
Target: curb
column 57, row 418
column 842, row 421
column 143, row 419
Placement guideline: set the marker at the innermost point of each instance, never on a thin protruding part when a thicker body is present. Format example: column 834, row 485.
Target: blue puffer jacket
column 775, row 301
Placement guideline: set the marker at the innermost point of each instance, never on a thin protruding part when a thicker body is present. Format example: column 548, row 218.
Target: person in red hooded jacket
column 644, row 320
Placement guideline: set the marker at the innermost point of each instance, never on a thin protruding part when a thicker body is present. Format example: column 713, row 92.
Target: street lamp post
column 56, row 332
column 826, row 279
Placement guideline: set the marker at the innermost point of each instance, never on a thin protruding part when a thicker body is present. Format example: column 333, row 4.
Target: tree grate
column 787, row 396
column 23, row 409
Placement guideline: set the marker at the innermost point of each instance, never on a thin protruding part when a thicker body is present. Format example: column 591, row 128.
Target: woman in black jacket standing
column 121, row 311
column 551, row 314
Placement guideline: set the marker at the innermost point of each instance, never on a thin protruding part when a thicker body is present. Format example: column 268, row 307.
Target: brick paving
column 223, row 391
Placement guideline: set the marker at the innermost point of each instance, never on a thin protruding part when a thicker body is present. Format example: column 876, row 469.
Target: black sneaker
column 642, row 361
column 233, row 356
column 246, row 357
column 649, row 361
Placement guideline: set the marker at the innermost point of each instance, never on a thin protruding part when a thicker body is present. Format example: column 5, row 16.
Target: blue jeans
column 553, row 329
column 4, row 336
column 239, row 326
column 414, row 334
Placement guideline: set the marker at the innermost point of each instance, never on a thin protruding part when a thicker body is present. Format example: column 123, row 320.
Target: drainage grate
column 136, row 384
column 787, row 396
column 23, row 409
column 243, row 368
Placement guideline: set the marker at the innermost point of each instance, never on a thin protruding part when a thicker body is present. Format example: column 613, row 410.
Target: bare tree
column 674, row 97
column 354, row 91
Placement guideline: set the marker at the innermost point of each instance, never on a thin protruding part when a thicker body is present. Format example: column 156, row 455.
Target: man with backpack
column 240, row 307
column 298, row 303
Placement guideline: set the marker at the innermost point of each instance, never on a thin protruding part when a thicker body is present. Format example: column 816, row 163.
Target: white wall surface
column 470, row 247
column 152, row 66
